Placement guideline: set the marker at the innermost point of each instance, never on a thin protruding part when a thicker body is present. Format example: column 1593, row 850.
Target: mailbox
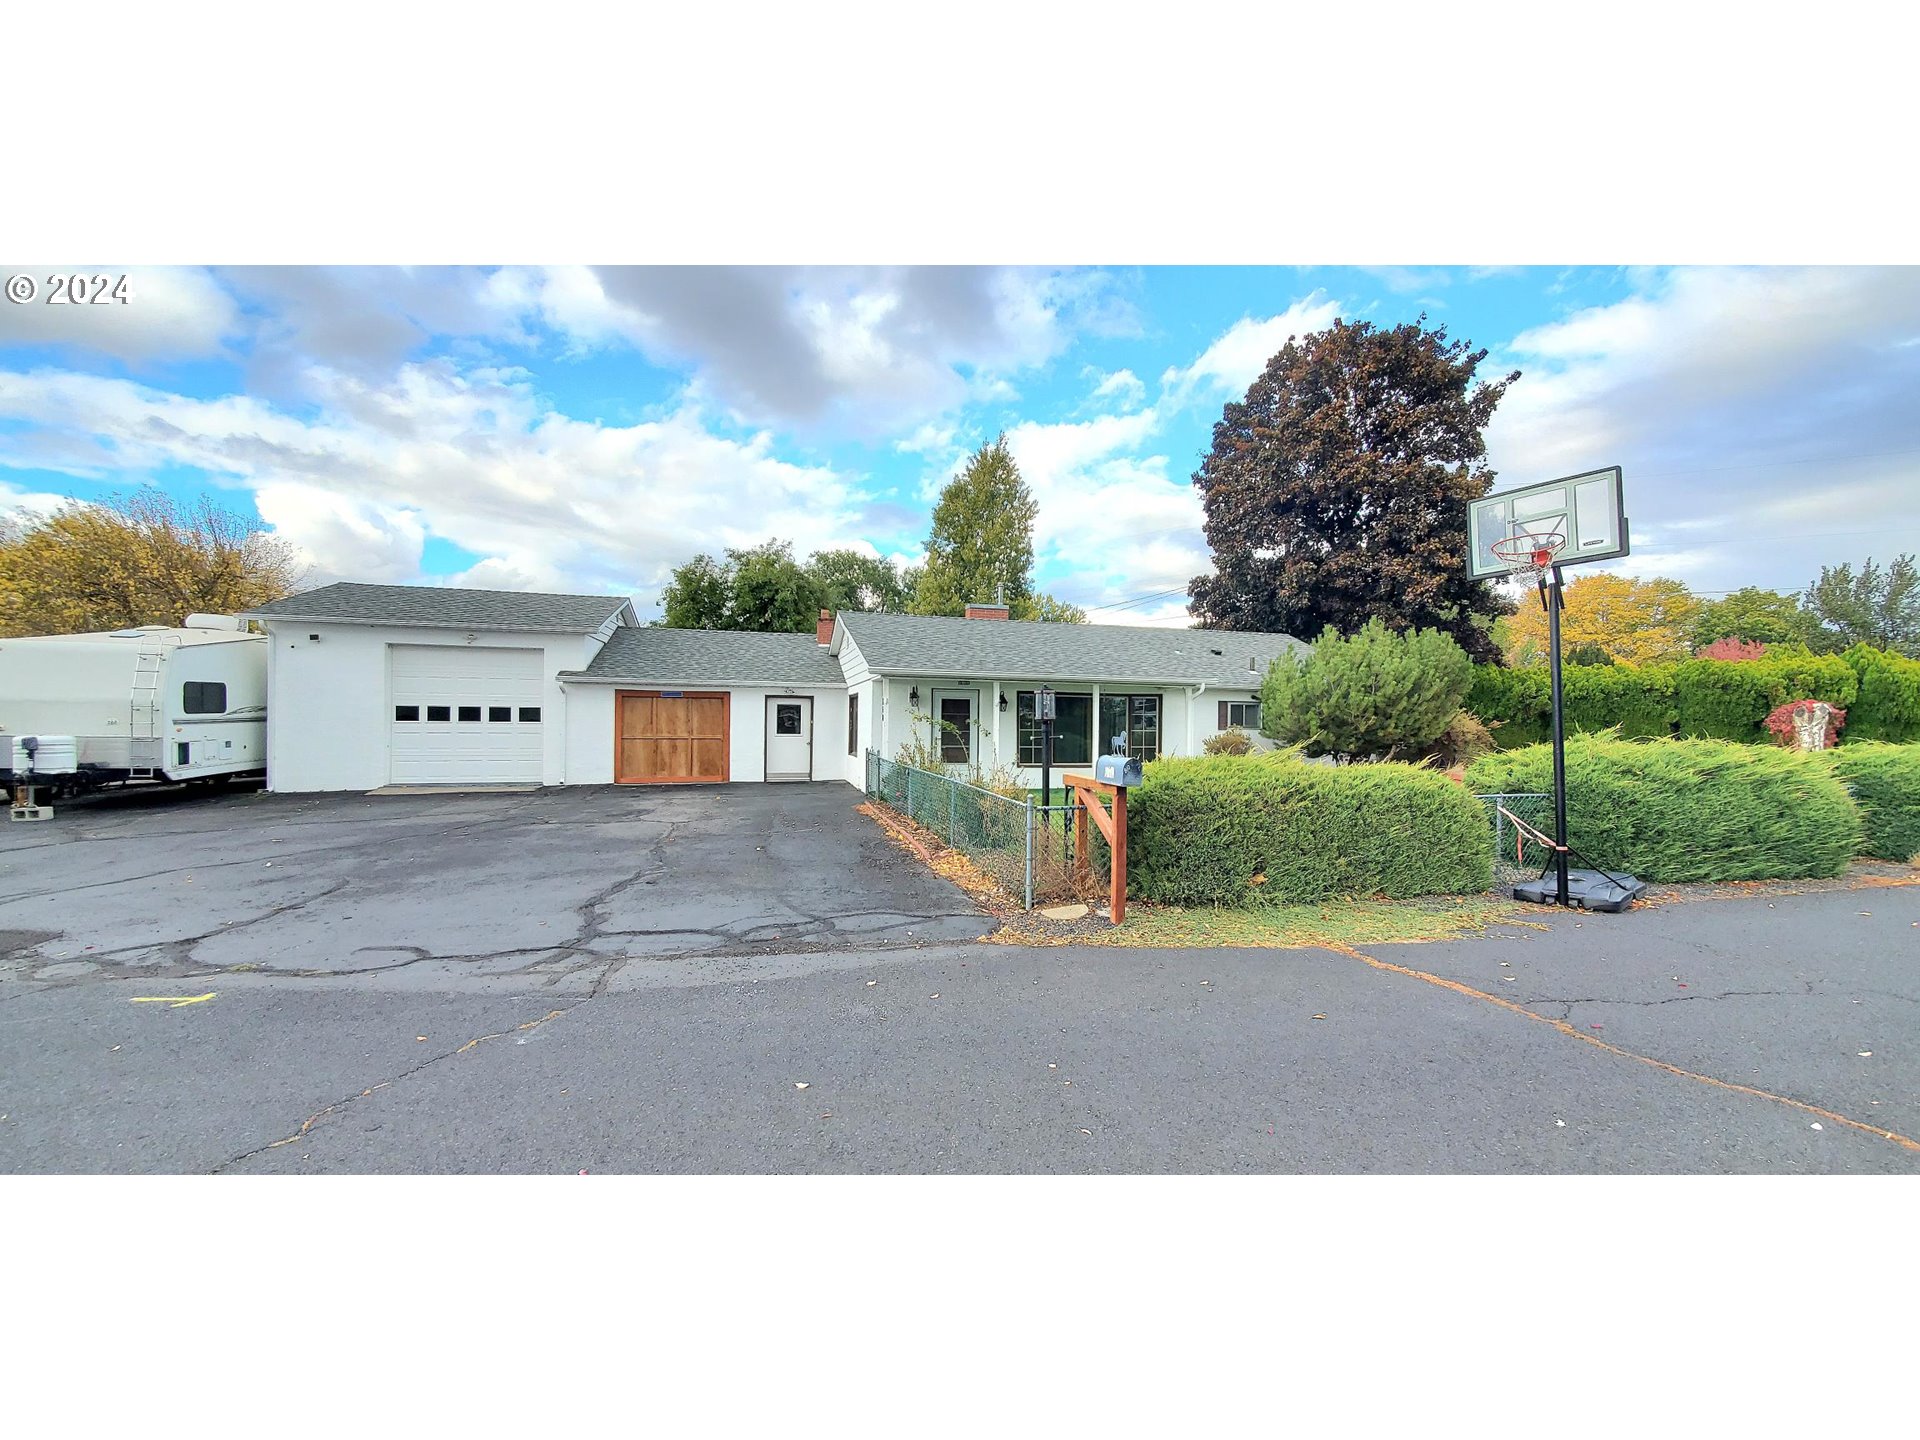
column 1122, row 770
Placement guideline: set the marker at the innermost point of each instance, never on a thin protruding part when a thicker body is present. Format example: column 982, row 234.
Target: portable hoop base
column 1586, row 890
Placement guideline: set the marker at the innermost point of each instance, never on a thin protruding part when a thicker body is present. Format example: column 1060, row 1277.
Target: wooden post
column 1112, row 826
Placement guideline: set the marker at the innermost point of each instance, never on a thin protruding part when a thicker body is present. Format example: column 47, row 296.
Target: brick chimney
column 988, row 612
column 823, row 630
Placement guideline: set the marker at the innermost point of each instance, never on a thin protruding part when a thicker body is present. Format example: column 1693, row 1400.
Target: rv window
column 203, row 697
column 530, row 714
column 439, row 712
column 499, row 712
column 469, row 712
column 406, row 712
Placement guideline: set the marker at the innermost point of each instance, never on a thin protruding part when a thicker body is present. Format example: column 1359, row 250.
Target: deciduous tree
column 141, row 559
column 1874, row 607
column 762, row 588
column 1337, row 490
column 1752, row 614
column 856, row 581
column 1045, row 607
column 1634, row 621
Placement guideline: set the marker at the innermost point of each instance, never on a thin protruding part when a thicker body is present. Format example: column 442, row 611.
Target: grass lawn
column 1334, row 924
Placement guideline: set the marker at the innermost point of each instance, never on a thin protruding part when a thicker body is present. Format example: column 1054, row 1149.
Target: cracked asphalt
column 751, row 979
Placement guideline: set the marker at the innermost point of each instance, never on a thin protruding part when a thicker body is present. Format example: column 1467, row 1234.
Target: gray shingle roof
column 446, row 607
column 712, row 657
column 1036, row 650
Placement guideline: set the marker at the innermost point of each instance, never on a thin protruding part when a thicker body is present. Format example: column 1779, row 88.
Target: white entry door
column 789, row 737
column 465, row 715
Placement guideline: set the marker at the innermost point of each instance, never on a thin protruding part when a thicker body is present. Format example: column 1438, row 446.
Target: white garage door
column 464, row 715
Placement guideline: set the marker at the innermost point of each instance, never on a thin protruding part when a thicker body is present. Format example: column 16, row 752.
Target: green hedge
column 1201, row 829
column 1885, row 781
column 1674, row 810
column 1889, row 703
column 1708, row 699
column 1731, row 699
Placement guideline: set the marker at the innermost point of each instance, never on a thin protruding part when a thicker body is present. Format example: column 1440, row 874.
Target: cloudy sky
column 588, row 429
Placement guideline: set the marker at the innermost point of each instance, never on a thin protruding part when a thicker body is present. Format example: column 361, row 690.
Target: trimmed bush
column 1889, row 703
column 1228, row 742
column 1885, row 781
column 1374, row 692
column 1636, row 701
column 1730, row 700
column 1675, row 810
column 1515, row 705
column 1273, row 829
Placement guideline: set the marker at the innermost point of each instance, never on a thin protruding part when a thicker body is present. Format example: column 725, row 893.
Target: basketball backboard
column 1583, row 510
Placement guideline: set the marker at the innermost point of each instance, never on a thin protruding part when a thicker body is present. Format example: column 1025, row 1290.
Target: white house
column 378, row 684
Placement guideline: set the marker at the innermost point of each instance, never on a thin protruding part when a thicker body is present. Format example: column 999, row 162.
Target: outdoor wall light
column 913, row 696
column 1003, row 704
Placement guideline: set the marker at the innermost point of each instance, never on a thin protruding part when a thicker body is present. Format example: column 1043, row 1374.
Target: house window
column 529, row 714
column 853, row 724
column 1239, row 714
column 1135, row 716
column 406, row 712
column 956, row 729
column 203, row 697
column 496, row 713
column 1072, row 728
column 439, row 712
column 469, row 712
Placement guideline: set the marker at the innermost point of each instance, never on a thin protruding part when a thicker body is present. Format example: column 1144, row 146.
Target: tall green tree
column 981, row 547
column 1045, row 607
column 854, row 581
column 1873, row 607
column 1750, row 613
column 1337, row 490
column 762, row 588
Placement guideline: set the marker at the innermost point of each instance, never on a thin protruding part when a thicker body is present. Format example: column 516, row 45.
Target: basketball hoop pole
column 1551, row 595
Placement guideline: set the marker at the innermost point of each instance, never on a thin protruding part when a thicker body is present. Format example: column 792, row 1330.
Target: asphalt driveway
column 162, row 882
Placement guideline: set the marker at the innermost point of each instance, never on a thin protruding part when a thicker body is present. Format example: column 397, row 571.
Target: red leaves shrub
column 1780, row 722
column 1731, row 647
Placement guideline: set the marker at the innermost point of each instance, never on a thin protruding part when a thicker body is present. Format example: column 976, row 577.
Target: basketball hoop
column 1530, row 554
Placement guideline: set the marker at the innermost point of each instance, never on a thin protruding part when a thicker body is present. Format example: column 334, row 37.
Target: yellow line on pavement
column 172, row 1002
column 1565, row 1027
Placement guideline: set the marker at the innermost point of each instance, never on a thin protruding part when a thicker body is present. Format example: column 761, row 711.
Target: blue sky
column 588, row 429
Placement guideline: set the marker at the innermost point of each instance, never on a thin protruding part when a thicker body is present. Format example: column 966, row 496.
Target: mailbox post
column 1112, row 775
column 1044, row 703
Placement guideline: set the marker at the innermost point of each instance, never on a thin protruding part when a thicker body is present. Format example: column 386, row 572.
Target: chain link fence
column 1025, row 848
column 1516, row 855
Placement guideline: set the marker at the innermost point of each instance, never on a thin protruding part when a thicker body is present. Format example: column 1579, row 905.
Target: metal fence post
column 1029, row 852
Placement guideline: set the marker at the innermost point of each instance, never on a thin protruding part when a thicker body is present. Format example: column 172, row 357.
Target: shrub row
column 1677, row 810
column 1271, row 828
column 1885, row 782
column 1709, row 699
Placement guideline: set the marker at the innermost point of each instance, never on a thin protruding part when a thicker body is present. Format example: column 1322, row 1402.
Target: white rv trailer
column 151, row 703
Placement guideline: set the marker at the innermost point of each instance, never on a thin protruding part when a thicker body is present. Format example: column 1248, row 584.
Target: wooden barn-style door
column 665, row 737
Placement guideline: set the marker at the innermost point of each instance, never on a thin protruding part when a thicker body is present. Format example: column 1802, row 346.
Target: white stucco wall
column 329, row 713
column 590, row 722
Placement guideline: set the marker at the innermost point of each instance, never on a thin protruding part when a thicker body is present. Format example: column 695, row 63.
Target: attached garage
column 466, row 715
column 671, row 737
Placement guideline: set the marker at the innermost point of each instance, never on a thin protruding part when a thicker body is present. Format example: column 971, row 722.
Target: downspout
column 1193, row 725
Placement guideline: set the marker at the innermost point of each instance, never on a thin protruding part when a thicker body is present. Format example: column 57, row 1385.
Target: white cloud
column 1123, row 388
column 546, row 500
column 1233, row 362
column 1763, row 417
column 867, row 351
column 170, row 313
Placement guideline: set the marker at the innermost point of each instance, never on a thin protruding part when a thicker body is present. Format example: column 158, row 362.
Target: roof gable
column 447, row 607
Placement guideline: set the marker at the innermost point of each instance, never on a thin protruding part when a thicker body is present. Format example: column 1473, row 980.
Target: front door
column 953, row 727
column 789, row 737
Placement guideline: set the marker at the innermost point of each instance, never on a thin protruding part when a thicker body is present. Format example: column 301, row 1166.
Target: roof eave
column 581, row 677
column 392, row 623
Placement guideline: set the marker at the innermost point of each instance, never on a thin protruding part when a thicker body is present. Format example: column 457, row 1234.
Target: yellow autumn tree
column 1634, row 621
column 143, row 559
